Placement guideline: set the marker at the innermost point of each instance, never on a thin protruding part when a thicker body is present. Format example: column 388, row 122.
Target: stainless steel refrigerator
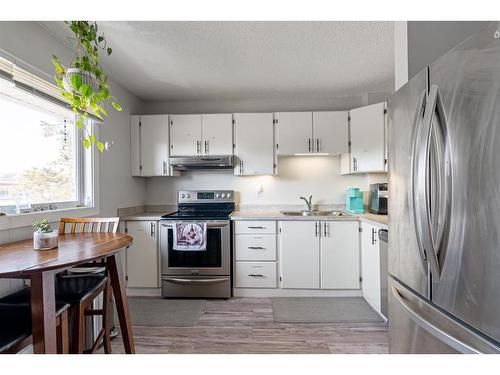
column 444, row 211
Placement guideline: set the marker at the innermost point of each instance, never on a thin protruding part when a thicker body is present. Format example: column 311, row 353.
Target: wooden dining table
column 20, row 260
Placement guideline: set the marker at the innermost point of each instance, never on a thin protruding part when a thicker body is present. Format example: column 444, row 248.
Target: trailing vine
column 83, row 83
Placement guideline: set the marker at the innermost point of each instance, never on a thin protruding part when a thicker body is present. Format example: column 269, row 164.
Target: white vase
column 45, row 241
column 87, row 78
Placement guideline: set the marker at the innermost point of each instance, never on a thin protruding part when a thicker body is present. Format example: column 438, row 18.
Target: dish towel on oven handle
column 190, row 236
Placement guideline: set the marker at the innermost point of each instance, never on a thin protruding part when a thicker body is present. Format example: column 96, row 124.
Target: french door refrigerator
column 444, row 211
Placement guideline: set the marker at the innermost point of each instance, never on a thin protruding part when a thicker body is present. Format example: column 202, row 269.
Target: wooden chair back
column 88, row 224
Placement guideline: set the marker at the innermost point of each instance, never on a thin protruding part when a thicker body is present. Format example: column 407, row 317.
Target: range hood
column 190, row 163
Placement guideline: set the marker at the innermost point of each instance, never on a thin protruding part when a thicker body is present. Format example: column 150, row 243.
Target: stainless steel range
column 201, row 274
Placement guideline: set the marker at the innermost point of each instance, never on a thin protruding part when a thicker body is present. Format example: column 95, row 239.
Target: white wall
column 33, row 46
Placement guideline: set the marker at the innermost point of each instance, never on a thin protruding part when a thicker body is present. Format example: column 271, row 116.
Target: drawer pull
column 254, row 227
column 256, row 247
column 255, row 275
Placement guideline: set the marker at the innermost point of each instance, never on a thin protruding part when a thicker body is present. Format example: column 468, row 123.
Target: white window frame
column 86, row 163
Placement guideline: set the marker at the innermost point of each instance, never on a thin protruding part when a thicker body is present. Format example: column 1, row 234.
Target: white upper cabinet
column 331, row 132
column 254, row 140
column 295, row 132
column 150, row 145
column 185, row 135
column 217, row 134
column 368, row 138
column 299, row 254
column 313, row 132
column 340, row 255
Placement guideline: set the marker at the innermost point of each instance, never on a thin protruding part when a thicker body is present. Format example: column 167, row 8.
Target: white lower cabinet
column 299, row 254
column 256, row 275
column 142, row 257
column 370, row 264
column 339, row 255
column 319, row 254
column 255, row 247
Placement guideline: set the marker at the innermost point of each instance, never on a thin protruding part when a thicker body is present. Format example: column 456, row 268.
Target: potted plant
column 82, row 82
column 44, row 237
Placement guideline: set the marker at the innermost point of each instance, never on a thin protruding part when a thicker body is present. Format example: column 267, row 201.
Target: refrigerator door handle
column 417, row 124
column 430, row 328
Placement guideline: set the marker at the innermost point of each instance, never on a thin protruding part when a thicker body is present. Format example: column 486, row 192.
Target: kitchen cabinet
column 142, row 257
column 217, row 134
column 339, row 255
column 254, row 144
column 207, row 134
column 331, row 132
column 370, row 264
column 295, row 133
column 150, row 145
column 313, row 132
column 299, row 254
column 185, row 135
column 319, row 254
column 367, row 137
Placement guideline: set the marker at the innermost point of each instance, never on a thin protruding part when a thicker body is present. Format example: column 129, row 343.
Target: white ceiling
column 176, row 61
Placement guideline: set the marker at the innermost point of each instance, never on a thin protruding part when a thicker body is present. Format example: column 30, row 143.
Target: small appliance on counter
column 378, row 199
column 354, row 201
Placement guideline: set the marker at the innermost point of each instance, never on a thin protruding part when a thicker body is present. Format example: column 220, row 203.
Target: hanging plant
column 82, row 82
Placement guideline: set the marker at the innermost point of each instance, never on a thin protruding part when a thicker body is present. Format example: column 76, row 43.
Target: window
column 40, row 163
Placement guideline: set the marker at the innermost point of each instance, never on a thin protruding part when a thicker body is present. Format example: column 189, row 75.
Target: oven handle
column 210, row 224
column 195, row 281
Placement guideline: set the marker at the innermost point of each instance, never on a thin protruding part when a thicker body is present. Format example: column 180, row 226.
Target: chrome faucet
column 308, row 202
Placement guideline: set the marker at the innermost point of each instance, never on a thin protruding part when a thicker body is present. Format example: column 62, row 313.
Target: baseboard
column 374, row 308
column 253, row 292
column 144, row 292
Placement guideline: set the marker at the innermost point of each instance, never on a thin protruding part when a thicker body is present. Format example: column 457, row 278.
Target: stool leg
column 105, row 317
column 78, row 329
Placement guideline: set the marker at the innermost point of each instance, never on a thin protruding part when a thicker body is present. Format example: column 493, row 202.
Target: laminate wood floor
column 245, row 326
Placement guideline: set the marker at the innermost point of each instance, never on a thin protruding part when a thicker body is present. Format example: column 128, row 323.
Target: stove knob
column 217, row 195
column 223, row 195
column 183, row 195
column 229, row 195
column 189, row 196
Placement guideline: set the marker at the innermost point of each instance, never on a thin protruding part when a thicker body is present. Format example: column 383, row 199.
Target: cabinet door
column 143, row 255
column 185, row 135
column 299, row 254
column 154, row 145
column 370, row 264
column 217, row 134
column 135, row 146
column 367, row 138
column 331, row 132
column 295, row 133
column 339, row 255
column 254, row 140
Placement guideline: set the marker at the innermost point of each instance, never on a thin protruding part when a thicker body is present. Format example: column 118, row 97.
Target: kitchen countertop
column 152, row 216
column 277, row 215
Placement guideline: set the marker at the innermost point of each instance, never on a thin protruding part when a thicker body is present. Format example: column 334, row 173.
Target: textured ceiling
column 171, row 61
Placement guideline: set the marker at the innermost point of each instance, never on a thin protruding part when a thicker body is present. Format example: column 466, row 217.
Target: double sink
column 314, row 213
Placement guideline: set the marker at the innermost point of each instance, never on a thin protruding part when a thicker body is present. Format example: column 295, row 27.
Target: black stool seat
column 15, row 323
column 70, row 290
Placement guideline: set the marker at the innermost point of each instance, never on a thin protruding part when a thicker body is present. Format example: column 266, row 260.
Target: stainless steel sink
column 313, row 213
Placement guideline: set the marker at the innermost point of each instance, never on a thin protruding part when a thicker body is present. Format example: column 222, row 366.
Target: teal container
column 354, row 201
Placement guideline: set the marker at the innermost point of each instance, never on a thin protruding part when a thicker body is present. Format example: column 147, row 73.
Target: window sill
column 24, row 220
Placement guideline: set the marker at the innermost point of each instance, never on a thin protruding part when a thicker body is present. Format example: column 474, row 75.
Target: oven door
column 215, row 260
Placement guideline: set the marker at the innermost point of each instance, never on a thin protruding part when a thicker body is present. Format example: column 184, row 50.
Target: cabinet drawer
column 256, row 275
column 255, row 247
column 251, row 227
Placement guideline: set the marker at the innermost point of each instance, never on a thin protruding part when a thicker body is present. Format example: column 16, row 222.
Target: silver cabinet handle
column 374, row 233
column 325, row 230
column 309, row 144
column 431, row 328
column 355, row 164
column 256, row 227
column 256, row 275
column 256, row 248
column 198, row 147
column 317, row 145
column 164, row 167
column 152, row 229
column 317, row 229
column 241, row 166
column 206, row 147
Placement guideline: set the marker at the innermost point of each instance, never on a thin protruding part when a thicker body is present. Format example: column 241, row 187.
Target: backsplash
column 318, row 176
